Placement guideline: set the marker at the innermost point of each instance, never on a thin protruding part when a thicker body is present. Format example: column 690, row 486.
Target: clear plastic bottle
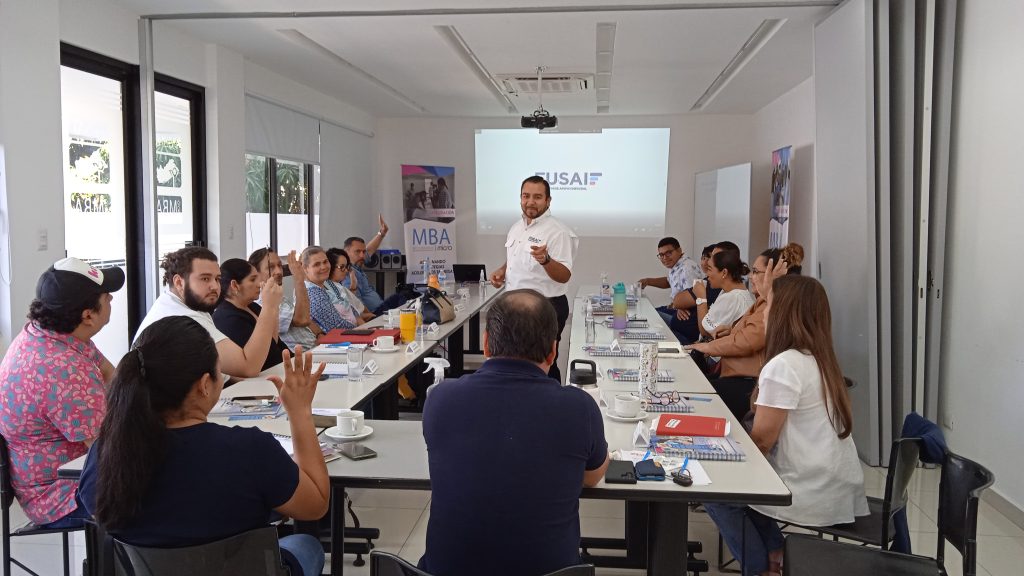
column 426, row 269
column 606, row 289
column 588, row 323
column 483, row 284
column 442, row 280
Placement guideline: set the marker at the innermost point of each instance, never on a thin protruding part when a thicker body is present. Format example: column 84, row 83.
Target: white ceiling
column 664, row 59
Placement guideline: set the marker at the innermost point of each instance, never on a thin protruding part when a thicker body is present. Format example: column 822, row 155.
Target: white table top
column 473, row 305
column 689, row 378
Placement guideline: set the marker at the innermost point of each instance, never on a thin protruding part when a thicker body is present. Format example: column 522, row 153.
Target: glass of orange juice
column 407, row 325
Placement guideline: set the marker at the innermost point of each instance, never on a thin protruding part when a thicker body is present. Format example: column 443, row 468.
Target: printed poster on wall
column 428, row 202
column 778, row 227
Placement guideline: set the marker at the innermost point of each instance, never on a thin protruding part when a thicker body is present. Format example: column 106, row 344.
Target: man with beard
column 539, row 254
column 192, row 280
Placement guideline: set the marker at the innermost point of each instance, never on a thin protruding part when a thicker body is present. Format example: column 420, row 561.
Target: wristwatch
column 701, row 301
column 547, row 258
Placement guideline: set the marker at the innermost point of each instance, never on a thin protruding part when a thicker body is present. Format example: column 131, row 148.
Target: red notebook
column 338, row 335
column 690, row 425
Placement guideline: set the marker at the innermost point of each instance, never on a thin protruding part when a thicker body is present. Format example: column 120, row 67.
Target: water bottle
column 426, row 269
column 619, row 320
column 442, row 279
column 590, row 327
column 483, row 284
column 605, row 287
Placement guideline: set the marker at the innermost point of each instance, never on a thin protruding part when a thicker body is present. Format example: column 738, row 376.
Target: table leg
column 337, row 530
column 456, row 355
column 474, row 335
column 666, row 538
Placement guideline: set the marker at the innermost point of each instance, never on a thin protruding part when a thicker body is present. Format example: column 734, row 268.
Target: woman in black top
column 237, row 313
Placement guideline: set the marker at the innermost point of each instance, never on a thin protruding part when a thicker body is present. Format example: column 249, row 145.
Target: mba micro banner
column 428, row 202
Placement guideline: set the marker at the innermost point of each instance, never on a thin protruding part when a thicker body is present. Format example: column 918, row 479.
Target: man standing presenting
column 509, row 450
column 682, row 273
column 539, row 253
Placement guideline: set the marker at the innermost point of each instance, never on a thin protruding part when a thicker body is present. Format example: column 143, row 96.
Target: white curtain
column 273, row 130
column 347, row 206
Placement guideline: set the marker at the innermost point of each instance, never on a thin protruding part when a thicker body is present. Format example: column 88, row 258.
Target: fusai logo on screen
column 571, row 180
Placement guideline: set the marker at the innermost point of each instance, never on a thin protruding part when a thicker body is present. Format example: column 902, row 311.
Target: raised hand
column 383, row 225
column 299, row 384
column 296, row 269
column 271, row 295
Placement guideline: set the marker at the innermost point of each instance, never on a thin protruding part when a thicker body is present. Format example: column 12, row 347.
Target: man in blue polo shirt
column 509, row 451
column 357, row 250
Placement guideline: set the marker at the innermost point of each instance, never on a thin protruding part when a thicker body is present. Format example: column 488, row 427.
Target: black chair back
column 903, row 460
column 252, row 553
column 960, row 488
column 6, row 490
column 385, row 564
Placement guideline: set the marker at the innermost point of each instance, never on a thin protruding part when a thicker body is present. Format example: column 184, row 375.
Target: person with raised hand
column 238, row 312
column 161, row 475
column 295, row 324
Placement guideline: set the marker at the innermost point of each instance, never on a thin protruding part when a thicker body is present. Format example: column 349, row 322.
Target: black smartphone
column 356, row 451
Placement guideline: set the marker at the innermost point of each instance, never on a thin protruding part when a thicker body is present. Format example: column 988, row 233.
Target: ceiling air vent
column 549, row 83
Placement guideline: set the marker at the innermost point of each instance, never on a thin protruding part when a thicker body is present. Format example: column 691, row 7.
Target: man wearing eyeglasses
column 683, row 271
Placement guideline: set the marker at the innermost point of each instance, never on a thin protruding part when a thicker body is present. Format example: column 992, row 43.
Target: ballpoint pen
column 697, row 398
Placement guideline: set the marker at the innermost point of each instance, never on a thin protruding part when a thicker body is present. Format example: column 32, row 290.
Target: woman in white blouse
column 802, row 423
column 725, row 272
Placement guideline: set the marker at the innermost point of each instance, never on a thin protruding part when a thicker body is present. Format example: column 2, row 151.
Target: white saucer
column 613, row 416
column 391, row 350
column 335, row 434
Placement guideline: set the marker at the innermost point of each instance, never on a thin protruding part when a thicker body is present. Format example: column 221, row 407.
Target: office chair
column 960, row 488
column 385, row 564
column 30, row 529
column 252, row 553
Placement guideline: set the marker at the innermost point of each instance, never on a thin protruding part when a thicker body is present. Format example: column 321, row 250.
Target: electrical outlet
column 43, row 240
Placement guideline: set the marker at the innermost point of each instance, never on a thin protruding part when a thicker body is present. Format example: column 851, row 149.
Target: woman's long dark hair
column 334, row 254
column 152, row 380
column 800, row 319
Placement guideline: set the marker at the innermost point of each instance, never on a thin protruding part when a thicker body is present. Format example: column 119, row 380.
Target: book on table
column 248, row 406
column 698, row 447
column 690, row 425
column 357, row 335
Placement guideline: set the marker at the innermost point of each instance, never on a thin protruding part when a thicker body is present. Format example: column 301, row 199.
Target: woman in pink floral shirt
column 52, row 385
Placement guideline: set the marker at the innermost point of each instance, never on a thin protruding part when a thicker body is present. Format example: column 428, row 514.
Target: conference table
column 688, row 377
column 402, row 456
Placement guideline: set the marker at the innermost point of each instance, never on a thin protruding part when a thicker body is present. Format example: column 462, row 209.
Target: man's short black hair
column 521, row 324
column 62, row 320
column 351, row 239
column 537, row 180
column 179, row 262
column 669, row 241
column 257, row 257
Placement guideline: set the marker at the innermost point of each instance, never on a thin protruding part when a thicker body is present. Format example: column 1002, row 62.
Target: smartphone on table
column 356, row 451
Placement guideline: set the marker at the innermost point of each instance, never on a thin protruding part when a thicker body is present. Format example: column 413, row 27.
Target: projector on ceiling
column 540, row 120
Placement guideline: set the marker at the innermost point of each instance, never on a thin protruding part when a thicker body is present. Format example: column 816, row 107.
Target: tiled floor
column 402, row 519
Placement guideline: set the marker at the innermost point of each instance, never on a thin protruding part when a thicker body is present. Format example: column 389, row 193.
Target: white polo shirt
column 168, row 304
column 523, row 271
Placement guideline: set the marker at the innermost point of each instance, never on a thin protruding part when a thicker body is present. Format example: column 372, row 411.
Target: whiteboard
column 721, row 208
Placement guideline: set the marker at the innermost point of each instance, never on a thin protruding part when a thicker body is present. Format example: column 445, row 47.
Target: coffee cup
column 384, row 342
column 626, row 406
column 350, row 422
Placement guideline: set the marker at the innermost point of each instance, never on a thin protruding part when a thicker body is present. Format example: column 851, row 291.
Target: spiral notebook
column 625, row 351
column 640, row 335
column 640, row 323
column 699, row 447
column 633, row 375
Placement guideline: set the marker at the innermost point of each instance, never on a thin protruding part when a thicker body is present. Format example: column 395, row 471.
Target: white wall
column 698, row 143
column 981, row 388
column 31, row 178
column 788, row 121
column 30, row 171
